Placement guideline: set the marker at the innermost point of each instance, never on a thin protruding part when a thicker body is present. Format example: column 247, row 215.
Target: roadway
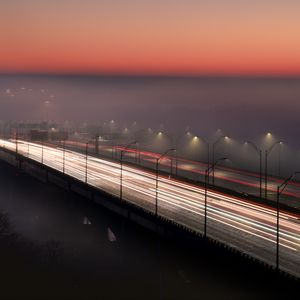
column 242, row 181
column 249, row 227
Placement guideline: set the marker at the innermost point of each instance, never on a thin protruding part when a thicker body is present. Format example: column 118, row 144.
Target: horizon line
column 154, row 75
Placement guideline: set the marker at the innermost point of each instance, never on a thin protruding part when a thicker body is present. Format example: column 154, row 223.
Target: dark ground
column 46, row 252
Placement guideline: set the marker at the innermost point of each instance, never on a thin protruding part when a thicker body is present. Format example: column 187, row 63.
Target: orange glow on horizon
column 150, row 39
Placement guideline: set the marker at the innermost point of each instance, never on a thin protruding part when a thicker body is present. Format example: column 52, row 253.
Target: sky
column 218, row 37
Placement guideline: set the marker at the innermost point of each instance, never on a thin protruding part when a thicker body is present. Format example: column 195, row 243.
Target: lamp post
column 208, row 148
column 112, row 149
column 174, row 145
column 121, row 167
column 213, row 155
column 207, row 145
column 173, row 142
column 259, row 152
column 279, row 164
column 207, row 172
column 280, row 189
column 86, row 159
column 138, row 153
column 42, row 152
column 267, row 152
column 64, row 155
column 156, row 185
column 27, row 145
column 17, row 137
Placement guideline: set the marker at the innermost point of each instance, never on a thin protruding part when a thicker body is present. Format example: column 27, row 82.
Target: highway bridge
column 246, row 226
column 239, row 180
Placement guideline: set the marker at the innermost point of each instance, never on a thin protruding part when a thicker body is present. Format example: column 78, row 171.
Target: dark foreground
column 48, row 251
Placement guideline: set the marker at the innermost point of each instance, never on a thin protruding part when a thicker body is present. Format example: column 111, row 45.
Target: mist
column 244, row 108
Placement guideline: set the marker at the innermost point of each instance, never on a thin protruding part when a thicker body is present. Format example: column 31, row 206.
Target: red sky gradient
column 151, row 37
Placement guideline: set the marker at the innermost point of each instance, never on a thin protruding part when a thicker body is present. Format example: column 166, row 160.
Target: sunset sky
column 258, row 37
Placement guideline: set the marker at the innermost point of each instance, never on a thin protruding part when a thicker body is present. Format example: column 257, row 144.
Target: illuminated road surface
column 248, row 227
column 239, row 180
column 236, row 179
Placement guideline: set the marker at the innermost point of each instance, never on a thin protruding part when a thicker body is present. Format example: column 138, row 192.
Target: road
column 249, row 227
column 241, row 181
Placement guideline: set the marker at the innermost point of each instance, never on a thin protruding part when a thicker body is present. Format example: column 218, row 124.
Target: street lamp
column 280, row 189
column 27, row 145
column 207, row 145
column 138, row 153
column 174, row 145
column 267, row 152
column 121, row 167
column 207, row 172
column 64, row 155
column 42, row 152
column 112, row 149
column 213, row 155
column 17, row 137
column 156, row 186
column 259, row 152
column 86, row 158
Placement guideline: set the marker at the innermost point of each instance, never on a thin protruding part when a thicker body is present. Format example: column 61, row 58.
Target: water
column 85, row 263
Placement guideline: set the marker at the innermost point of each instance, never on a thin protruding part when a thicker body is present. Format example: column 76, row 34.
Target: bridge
column 248, row 227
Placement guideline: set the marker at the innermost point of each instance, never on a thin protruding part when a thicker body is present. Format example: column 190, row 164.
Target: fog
column 244, row 109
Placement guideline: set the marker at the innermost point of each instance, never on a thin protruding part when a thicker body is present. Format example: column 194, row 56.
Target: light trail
column 248, row 226
column 223, row 173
